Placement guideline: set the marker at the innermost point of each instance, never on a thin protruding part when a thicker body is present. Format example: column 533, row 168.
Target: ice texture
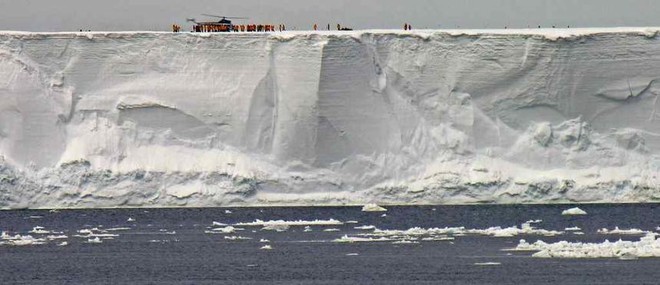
column 147, row 119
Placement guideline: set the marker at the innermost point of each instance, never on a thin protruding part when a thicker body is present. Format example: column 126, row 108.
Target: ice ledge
column 551, row 34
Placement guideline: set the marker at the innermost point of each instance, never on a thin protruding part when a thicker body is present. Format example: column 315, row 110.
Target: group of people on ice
column 212, row 28
column 203, row 28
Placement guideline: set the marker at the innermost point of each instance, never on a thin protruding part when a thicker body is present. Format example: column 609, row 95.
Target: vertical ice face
column 424, row 117
column 32, row 114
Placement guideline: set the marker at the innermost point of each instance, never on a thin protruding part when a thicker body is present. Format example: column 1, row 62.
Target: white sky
column 63, row 15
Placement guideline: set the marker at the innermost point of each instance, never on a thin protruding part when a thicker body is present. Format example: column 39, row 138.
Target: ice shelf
column 134, row 119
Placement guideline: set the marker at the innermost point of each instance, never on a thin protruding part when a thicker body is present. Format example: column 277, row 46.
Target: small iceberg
column 94, row 240
column 373, row 208
column 573, row 212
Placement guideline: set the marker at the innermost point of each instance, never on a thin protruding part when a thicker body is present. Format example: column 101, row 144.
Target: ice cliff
column 163, row 119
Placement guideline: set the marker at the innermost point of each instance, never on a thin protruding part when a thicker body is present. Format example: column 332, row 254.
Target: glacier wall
column 299, row 118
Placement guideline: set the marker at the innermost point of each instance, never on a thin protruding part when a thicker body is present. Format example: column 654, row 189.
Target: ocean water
column 170, row 246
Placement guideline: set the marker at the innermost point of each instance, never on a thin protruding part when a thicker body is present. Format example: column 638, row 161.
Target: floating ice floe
column 237, row 238
column 275, row 227
column 94, row 232
column 281, row 225
column 647, row 246
column 487, row 263
column 307, row 229
column 330, row 222
column 447, row 233
column 438, row 238
column 352, row 254
column 351, row 239
column 370, row 227
column 54, row 237
column 617, row 231
column 64, row 243
column 266, row 247
column 373, row 208
column 94, row 240
column 351, row 222
column 405, row 241
column 20, row 240
column 573, row 212
column 130, row 219
column 118, row 229
column 331, row 230
column 524, row 229
column 572, row 229
column 219, row 224
column 228, row 212
column 225, row 230
column 264, row 240
column 39, row 231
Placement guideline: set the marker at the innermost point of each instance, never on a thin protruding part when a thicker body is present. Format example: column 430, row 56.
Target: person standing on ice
column 405, row 26
column 315, row 27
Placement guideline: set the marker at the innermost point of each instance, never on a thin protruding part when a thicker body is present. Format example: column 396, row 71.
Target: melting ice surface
column 329, row 118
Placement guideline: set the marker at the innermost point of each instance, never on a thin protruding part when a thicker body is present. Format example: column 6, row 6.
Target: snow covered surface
column 138, row 119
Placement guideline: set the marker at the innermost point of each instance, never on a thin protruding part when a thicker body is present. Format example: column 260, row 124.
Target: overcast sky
column 67, row 15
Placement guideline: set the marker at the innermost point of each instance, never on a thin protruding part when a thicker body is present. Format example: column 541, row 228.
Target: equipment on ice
column 224, row 25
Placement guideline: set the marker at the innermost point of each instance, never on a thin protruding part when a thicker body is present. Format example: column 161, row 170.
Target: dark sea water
column 170, row 246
